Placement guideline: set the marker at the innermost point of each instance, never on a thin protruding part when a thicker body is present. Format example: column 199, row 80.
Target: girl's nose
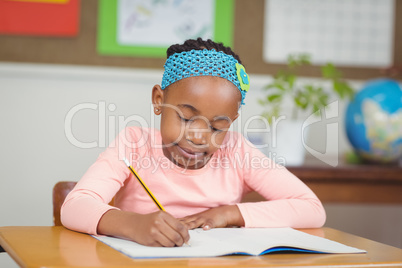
column 198, row 131
column 197, row 136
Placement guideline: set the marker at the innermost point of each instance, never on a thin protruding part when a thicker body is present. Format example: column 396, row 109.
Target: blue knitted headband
column 205, row 63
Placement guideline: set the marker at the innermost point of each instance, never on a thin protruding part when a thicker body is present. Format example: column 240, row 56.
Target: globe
column 373, row 121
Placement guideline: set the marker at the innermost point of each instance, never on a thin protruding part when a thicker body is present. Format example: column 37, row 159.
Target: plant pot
column 285, row 142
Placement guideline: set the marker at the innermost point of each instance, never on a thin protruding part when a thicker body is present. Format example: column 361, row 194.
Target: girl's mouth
column 190, row 154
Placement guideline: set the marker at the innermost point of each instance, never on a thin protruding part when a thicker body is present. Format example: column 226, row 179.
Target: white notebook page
column 226, row 241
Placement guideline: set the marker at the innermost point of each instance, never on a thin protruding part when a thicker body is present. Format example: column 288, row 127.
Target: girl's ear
column 157, row 99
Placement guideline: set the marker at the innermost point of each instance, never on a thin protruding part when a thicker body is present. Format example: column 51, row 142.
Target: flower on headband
column 242, row 76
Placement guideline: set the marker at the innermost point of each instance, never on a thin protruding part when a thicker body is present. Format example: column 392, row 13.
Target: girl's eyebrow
column 195, row 110
column 222, row 117
column 188, row 106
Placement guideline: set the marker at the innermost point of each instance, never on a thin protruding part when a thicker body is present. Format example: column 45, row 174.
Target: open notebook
column 230, row 241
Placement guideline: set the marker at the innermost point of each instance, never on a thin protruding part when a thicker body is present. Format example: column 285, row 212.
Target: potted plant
column 306, row 97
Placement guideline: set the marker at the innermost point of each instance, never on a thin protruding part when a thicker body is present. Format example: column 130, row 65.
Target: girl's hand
column 218, row 217
column 158, row 229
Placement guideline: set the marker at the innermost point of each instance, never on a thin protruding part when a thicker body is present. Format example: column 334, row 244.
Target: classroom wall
column 37, row 152
column 247, row 42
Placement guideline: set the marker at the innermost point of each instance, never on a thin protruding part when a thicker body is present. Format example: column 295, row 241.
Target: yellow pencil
column 143, row 185
column 147, row 190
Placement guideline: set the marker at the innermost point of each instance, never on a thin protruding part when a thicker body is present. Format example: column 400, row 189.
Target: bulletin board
column 247, row 40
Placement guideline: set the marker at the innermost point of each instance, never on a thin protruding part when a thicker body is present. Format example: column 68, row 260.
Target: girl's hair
column 199, row 44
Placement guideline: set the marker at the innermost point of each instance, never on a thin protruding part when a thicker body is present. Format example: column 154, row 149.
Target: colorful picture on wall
column 146, row 28
column 44, row 1
column 40, row 18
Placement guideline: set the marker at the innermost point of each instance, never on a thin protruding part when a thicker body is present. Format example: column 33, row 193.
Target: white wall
column 36, row 153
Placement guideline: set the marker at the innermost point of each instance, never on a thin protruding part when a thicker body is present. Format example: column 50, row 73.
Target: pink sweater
column 234, row 170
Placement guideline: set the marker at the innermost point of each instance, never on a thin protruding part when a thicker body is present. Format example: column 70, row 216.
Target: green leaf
column 281, row 75
column 301, row 100
column 305, row 59
column 274, row 97
column 291, row 61
column 309, row 88
column 329, row 71
column 350, row 92
column 291, row 80
column 338, row 87
column 312, row 96
column 323, row 100
column 261, row 102
column 296, row 60
column 343, row 89
column 280, row 86
column 269, row 86
column 316, row 107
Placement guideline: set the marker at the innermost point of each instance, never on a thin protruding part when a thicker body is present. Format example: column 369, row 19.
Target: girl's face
column 196, row 114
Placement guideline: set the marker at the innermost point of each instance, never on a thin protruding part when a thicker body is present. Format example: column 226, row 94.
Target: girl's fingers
column 162, row 240
column 208, row 225
column 192, row 225
column 178, row 231
column 195, row 222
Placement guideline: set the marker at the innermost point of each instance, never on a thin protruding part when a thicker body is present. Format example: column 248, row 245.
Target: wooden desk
column 349, row 183
column 59, row 247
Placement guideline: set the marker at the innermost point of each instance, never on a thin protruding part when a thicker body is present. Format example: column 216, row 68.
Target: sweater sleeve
column 89, row 200
column 290, row 203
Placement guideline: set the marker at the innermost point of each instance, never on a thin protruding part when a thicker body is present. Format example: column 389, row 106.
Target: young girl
column 197, row 169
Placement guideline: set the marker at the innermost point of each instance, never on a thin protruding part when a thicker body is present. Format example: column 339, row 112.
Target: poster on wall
column 44, row 1
column 146, row 28
column 344, row 32
column 40, row 17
